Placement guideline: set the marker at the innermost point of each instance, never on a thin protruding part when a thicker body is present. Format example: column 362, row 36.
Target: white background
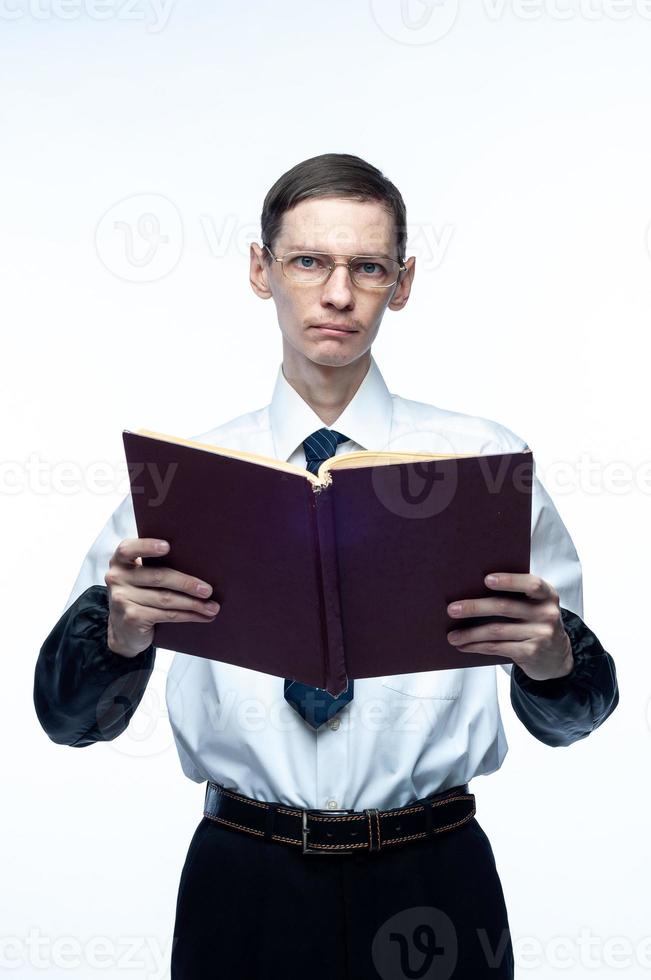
column 518, row 134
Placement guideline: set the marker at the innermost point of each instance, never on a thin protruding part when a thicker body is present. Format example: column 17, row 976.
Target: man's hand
column 536, row 640
column 141, row 596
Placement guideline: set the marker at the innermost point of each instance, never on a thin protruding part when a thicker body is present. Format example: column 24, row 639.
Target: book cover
column 346, row 573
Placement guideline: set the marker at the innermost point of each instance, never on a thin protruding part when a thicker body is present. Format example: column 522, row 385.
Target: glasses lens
column 306, row 266
column 374, row 270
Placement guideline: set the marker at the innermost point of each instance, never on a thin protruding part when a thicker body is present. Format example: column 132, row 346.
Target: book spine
column 334, row 668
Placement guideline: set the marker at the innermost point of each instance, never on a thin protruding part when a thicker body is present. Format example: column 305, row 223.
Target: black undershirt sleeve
column 565, row 709
column 83, row 691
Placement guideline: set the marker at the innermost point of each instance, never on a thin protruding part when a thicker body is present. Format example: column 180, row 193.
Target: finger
column 494, row 633
column 130, row 549
column 148, row 616
column 143, row 576
column 493, row 606
column 532, row 585
column 515, row 651
column 162, row 599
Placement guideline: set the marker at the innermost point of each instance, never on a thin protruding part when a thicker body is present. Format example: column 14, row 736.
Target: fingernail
column 162, row 546
column 203, row 589
column 455, row 607
column 491, row 580
column 213, row 606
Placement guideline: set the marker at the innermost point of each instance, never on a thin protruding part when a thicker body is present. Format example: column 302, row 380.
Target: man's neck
column 327, row 389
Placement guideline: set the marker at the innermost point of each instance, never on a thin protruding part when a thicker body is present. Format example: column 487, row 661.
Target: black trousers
column 249, row 909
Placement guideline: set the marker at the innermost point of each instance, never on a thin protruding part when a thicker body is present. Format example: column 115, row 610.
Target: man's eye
column 307, row 262
column 370, row 267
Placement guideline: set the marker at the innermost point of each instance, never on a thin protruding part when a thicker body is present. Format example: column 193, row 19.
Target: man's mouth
column 333, row 328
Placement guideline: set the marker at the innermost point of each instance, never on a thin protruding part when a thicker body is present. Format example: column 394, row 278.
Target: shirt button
column 332, row 805
column 334, row 723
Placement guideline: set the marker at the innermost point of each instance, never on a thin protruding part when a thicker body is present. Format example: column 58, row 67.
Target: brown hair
column 332, row 175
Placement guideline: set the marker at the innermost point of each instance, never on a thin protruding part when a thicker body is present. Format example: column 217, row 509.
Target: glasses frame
column 333, row 265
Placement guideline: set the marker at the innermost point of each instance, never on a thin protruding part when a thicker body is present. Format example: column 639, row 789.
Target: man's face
column 340, row 227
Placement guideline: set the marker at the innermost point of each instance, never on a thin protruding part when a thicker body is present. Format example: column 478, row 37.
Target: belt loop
column 270, row 817
column 211, row 789
column 429, row 822
column 375, row 840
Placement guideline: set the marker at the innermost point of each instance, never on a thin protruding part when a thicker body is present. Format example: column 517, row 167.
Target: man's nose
column 338, row 289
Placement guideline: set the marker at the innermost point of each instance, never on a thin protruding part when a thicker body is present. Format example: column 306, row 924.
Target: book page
column 346, row 461
column 367, row 457
column 270, row 461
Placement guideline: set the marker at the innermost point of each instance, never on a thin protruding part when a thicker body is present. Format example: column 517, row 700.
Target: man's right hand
column 139, row 597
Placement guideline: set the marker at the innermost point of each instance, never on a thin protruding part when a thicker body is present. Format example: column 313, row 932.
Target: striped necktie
column 314, row 704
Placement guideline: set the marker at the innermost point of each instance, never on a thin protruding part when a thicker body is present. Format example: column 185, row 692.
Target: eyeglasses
column 374, row 271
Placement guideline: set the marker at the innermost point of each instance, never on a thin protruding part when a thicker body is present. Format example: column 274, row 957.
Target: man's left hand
column 536, row 641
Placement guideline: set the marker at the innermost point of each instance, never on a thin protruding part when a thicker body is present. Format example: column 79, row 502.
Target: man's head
column 342, row 206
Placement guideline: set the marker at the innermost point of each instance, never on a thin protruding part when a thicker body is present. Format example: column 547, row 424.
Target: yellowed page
column 346, row 461
column 270, row 461
column 365, row 457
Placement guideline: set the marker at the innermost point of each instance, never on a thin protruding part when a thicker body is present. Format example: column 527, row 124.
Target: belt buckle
column 305, row 830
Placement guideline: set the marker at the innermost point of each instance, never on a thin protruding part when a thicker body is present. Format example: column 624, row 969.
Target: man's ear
column 403, row 286
column 259, row 273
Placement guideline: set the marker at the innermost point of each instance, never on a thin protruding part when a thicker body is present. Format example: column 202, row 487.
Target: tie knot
column 321, row 445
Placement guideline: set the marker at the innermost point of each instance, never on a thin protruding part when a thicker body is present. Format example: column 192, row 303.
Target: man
column 278, row 881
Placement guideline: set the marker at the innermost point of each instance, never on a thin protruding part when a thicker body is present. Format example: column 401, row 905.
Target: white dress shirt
column 403, row 736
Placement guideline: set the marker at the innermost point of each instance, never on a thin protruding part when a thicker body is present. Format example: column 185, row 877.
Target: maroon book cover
column 348, row 579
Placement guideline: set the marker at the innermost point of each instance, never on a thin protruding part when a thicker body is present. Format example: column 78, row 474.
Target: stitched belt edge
column 340, row 832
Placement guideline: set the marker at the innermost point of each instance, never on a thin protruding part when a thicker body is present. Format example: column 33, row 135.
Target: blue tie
column 314, row 704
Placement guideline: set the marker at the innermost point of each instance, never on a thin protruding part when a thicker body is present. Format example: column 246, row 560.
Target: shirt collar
column 366, row 419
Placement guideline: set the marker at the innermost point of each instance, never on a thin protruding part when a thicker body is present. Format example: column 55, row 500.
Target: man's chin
column 325, row 355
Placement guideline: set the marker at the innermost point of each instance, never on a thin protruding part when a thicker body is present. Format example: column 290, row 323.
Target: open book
column 343, row 574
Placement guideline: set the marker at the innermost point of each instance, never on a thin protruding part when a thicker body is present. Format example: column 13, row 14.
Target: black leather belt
column 340, row 831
